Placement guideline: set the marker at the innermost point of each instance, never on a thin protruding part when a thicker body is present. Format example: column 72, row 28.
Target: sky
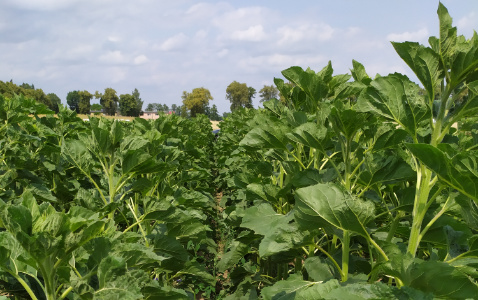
column 163, row 48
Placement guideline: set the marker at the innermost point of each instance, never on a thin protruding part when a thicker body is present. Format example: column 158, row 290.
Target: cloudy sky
column 163, row 48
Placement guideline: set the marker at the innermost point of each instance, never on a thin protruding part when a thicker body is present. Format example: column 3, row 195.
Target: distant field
column 214, row 124
column 108, row 117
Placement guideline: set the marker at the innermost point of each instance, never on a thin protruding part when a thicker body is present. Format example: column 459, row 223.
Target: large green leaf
column 396, row 98
column 280, row 235
column 451, row 171
column 297, row 288
column 425, row 63
column 262, row 219
column 269, row 136
column 309, row 134
column 430, row 276
column 328, row 205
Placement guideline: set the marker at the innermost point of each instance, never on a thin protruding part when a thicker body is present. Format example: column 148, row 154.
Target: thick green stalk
column 48, row 274
column 24, row 284
column 419, row 207
column 345, row 255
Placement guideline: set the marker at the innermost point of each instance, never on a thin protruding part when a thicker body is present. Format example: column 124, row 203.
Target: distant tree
column 176, row 109
column 139, row 102
column 150, row 107
column 225, row 114
column 238, row 94
column 128, row 105
column 109, row 101
column 27, row 86
column 268, row 92
column 214, row 114
column 96, row 107
column 184, row 111
column 84, row 105
column 252, row 94
column 55, row 102
column 9, row 89
column 196, row 101
column 73, row 101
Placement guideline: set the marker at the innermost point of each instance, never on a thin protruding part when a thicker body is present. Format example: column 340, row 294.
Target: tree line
column 110, row 103
column 193, row 103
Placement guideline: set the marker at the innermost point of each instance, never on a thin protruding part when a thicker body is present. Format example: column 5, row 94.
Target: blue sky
column 163, row 48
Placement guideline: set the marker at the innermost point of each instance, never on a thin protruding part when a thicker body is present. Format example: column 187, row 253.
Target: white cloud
column 279, row 62
column 252, row 34
column 112, row 57
column 42, row 5
column 174, row 43
column 468, row 23
column 140, row 59
column 308, row 31
column 222, row 53
column 416, row 36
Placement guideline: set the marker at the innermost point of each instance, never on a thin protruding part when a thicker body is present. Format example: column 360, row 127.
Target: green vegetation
column 349, row 187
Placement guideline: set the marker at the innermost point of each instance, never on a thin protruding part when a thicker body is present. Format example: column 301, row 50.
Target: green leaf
column 297, row 288
column 396, row 98
column 170, row 246
column 262, row 219
column 425, row 63
column 314, row 85
column 359, row 74
column 126, row 286
column 267, row 192
column 318, row 269
column 265, row 137
column 449, row 171
column 309, row 134
column 326, row 204
column 197, row 270
column 347, row 121
column 430, row 276
column 164, row 293
column 237, row 250
column 110, row 268
column 361, row 291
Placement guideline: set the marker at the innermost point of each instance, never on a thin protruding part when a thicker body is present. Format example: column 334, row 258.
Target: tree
column 252, row 94
column 55, row 102
column 214, row 114
column 96, row 107
column 239, row 95
column 176, row 109
column 73, row 101
column 139, row 102
column 127, row 105
column 109, row 101
column 84, row 105
column 27, row 86
column 268, row 92
column 196, row 101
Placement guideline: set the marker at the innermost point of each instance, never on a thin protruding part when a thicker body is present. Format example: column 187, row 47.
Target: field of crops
column 351, row 188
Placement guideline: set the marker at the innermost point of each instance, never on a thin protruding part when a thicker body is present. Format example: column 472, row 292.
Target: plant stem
column 345, row 255
column 419, row 207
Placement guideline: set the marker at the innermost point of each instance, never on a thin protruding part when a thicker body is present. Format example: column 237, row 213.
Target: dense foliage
column 348, row 188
